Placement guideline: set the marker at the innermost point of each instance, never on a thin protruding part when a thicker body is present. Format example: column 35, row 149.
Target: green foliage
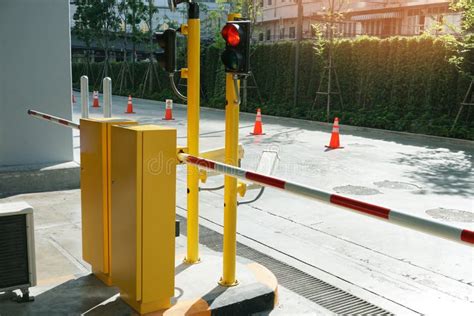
column 402, row 84
column 467, row 7
column 132, row 13
column 97, row 20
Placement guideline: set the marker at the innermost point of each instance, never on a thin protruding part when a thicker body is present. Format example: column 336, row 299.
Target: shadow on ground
column 74, row 297
column 442, row 171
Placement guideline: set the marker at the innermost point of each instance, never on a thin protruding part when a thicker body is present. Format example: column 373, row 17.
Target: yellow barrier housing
column 95, row 193
column 143, row 218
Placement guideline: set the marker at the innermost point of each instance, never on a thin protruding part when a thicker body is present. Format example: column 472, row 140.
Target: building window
column 269, row 35
column 269, row 2
column 422, row 23
column 282, row 33
column 292, row 32
column 260, row 37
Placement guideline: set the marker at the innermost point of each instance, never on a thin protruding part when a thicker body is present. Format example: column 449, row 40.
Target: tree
column 467, row 7
column 135, row 14
column 131, row 14
column 105, row 22
column 152, row 71
column 332, row 15
column 82, row 28
column 98, row 20
column 463, row 58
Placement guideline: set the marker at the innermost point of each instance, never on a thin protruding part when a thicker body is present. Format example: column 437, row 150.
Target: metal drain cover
column 356, row 190
column 451, row 215
column 396, row 185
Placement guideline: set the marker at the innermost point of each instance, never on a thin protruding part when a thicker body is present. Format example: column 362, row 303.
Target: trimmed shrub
column 402, row 84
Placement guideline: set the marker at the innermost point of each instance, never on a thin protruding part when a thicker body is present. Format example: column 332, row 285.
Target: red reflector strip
column 360, row 206
column 46, row 116
column 277, row 183
column 467, row 236
column 63, row 122
column 201, row 162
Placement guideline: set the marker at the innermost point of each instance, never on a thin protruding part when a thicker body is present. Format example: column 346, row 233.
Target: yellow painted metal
column 143, row 218
column 233, row 16
column 241, row 188
column 230, row 184
column 218, row 154
column 203, row 175
column 184, row 73
column 184, row 29
column 95, row 193
column 194, row 53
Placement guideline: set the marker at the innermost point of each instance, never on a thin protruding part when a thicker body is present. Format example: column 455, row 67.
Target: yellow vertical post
column 230, row 183
column 194, row 54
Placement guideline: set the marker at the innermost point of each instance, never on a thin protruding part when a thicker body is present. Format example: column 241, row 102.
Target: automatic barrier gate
column 128, row 188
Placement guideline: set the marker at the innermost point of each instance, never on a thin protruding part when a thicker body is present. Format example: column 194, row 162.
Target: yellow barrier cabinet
column 143, row 218
column 95, row 193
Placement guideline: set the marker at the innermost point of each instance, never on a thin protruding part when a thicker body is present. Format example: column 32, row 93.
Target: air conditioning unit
column 17, row 249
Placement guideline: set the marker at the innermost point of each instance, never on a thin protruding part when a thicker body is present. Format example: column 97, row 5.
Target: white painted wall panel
column 35, row 72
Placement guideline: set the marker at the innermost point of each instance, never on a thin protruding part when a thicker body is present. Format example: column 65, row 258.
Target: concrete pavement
column 64, row 282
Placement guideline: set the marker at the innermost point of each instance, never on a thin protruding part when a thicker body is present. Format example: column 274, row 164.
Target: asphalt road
column 399, row 269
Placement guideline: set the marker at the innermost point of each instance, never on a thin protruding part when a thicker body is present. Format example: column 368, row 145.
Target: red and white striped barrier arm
column 53, row 119
column 464, row 236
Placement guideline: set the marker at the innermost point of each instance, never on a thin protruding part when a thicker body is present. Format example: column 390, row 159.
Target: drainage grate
column 302, row 283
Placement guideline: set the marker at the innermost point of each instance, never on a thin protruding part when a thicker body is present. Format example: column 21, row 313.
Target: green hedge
column 402, row 84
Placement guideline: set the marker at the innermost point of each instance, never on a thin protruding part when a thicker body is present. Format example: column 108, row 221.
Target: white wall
column 35, row 72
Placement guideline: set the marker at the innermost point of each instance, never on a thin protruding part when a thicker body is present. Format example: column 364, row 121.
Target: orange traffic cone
column 169, row 110
column 258, row 128
column 334, row 142
column 95, row 98
column 129, row 106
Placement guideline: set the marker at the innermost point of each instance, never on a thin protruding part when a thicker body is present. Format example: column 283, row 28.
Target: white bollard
column 85, row 97
column 107, row 83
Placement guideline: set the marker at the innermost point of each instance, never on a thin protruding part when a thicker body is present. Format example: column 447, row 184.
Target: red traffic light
column 231, row 34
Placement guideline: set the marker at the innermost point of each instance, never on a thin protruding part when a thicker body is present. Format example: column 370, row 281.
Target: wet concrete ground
column 398, row 269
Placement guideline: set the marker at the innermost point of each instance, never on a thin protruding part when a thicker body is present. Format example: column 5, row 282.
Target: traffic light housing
column 236, row 56
column 167, row 41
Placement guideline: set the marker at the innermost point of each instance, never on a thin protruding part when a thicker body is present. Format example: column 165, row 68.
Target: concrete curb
column 39, row 178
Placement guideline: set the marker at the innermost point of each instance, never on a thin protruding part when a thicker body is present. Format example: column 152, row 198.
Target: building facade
column 383, row 18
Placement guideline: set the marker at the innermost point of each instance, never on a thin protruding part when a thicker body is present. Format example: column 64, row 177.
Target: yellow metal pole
column 230, row 183
column 194, row 53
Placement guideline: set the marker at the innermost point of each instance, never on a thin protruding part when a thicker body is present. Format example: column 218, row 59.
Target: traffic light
column 167, row 41
column 236, row 56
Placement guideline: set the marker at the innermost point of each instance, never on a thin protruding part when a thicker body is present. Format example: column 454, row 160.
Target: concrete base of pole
column 197, row 292
column 39, row 178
